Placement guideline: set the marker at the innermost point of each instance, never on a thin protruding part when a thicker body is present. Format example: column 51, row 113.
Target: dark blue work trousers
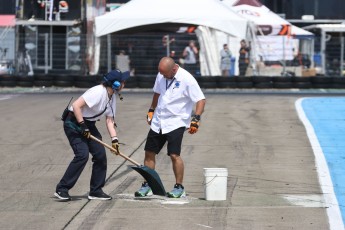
column 82, row 147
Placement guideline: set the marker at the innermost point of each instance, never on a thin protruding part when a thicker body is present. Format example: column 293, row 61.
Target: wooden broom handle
column 112, row 149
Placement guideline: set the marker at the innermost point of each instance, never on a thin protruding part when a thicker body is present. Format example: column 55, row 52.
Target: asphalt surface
column 256, row 135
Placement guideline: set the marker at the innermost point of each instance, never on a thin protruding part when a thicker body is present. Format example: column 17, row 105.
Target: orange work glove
column 194, row 124
column 150, row 116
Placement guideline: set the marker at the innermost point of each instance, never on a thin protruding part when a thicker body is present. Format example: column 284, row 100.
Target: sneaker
column 62, row 195
column 145, row 190
column 177, row 192
column 99, row 196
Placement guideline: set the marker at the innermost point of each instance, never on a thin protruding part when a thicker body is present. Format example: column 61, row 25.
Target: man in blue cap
column 80, row 123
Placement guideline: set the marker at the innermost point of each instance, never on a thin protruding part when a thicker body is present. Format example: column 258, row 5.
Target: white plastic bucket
column 216, row 180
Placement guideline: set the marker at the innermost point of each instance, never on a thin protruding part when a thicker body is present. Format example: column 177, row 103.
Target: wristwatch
column 198, row 117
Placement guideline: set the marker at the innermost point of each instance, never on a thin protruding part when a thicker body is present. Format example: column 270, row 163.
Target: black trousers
column 82, row 147
column 242, row 66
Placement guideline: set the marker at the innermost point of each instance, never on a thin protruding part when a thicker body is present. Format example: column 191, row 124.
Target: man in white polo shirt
column 176, row 92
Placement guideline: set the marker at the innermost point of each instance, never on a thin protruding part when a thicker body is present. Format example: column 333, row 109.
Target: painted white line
column 6, row 97
column 205, row 226
column 333, row 212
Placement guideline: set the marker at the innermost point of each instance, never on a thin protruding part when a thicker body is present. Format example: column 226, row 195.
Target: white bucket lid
column 215, row 171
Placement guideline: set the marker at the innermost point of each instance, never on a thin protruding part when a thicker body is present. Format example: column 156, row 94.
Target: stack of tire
column 208, row 82
column 282, row 82
column 8, row 81
column 39, row 80
column 234, row 82
column 260, row 82
column 226, row 82
column 145, row 81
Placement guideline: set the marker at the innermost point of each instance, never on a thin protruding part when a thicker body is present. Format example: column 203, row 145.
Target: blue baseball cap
column 116, row 75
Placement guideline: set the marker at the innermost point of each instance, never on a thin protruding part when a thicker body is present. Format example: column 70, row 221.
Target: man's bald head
column 167, row 67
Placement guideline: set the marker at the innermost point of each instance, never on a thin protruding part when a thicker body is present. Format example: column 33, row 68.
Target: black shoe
column 62, row 195
column 99, row 196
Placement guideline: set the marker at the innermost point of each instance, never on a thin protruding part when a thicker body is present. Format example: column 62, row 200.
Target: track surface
column 272, row 181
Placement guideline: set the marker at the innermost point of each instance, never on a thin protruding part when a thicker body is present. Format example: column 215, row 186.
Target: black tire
column 283, row 85
column 263, row 85
column 261, row 79
column 207, row 82
column 63, row 83
column 145, row 85
column 243, row 79
column 322, row 85
column 26, row 81
column 41, row 83
column 338, row 85
column 321, row 80
column 41, row 80
column 245, row 85
column 302, row 85
column 226, row 82
column 208, row 85
column 95, row 79
column 8, row 81
column 84, row 84
column 43, row 77
column 281, row 79
column 146, row 82
column 64, row 77
column 131, row 83
column 300, row 79
column 86, row 81
column 337, row 80
column 226, row 79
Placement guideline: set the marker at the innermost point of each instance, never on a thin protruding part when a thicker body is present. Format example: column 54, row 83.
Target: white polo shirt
column 97, row 100
column 176, row 102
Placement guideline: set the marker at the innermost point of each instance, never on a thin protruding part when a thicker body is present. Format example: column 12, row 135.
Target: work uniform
column 97, row 101
column 175, row 104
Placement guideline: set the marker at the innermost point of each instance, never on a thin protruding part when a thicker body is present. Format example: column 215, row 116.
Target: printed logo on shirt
column 177, row 84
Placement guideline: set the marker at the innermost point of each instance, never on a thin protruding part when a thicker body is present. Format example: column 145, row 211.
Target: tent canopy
column 267, row 21
column 7, row 20
column 209, row 13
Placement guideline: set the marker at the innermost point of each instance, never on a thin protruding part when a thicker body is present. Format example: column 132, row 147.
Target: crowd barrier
column 263, row 82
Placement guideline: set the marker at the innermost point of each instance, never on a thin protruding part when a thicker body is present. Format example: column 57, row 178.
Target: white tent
column 277, row 39
column 206, row 14
column 267, row 21
column 209, row 13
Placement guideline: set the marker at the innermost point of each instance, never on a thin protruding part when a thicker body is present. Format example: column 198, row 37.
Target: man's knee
column 100, row 155
column 174, row 156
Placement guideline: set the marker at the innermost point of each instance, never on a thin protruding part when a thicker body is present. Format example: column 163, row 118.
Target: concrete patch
column 154, row 198
column 308, row 200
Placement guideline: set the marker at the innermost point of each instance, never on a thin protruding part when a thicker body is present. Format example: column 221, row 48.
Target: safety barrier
column 259, row 82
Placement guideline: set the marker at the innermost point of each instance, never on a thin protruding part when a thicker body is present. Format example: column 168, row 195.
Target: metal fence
column 65, row 50
column 140, row 53
column 43, row 51
column 334, row 55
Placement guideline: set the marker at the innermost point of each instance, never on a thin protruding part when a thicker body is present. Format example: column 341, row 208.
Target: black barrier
column 205, row 82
